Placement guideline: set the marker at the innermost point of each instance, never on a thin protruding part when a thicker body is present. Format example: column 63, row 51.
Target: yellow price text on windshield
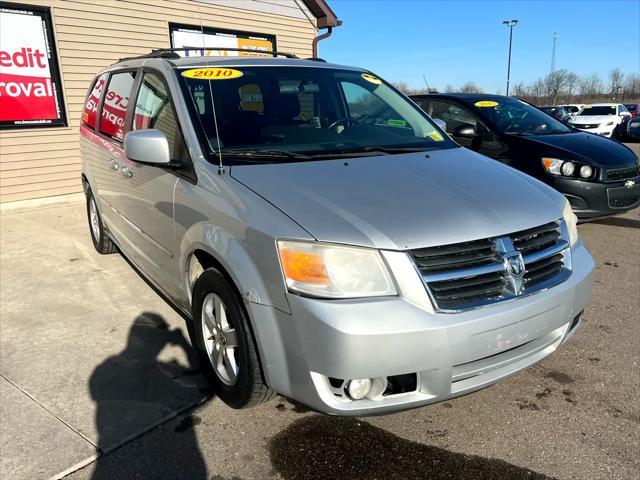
column 371, row 78
column 436, row 136
column 486, row 103
column 212, row 73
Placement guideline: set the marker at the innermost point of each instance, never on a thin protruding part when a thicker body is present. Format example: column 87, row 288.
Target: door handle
column 126, row 171
column 113, row 165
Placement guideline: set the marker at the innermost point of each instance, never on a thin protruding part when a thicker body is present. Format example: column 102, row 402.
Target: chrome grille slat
column 471, row 274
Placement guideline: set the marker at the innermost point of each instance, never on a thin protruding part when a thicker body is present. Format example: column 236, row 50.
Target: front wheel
column 101, row 240
column 225, row 343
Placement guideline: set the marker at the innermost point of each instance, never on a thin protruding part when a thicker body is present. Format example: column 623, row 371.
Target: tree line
column 560, row 87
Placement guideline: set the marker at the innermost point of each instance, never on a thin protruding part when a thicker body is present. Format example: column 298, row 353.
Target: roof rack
column 171, row 52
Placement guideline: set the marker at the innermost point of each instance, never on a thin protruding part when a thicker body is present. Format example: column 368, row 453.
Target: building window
column 30, row 86
column 195, row 38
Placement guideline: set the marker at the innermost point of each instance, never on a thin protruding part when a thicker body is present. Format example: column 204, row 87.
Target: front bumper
column 602, row 130
column 450, row 354
column 591, row 200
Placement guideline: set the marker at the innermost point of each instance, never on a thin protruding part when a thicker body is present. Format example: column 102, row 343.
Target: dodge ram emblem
column 629, row 183
column 514, row 269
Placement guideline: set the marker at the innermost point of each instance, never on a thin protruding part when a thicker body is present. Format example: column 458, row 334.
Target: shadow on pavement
column 619, row 222
column 321, row 447
column 135, row 391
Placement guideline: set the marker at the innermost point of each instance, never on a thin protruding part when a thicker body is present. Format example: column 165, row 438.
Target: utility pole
column 510, row 24
column 553, row 53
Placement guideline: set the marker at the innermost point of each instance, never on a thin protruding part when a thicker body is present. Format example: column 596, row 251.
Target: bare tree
column 615, row 76
column 402, row 86
column 449, row 88
column 591, row 86
column 556, row 82
column 632, row 86
column 572, row 84
column 470, row 87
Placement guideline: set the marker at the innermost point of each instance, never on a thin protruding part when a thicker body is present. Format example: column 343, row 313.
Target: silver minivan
column 325, row 239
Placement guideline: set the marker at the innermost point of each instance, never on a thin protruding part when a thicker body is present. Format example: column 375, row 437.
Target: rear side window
column 90, row 111
column 154, row 110
column 116, row 100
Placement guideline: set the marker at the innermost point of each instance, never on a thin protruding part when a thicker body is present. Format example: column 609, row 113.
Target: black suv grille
column 469, row 274
column 622, row 174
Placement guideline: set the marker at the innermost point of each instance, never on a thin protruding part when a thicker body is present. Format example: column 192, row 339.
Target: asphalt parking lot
column 97, row 383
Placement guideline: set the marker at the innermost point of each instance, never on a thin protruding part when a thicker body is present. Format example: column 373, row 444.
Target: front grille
column 622, row 174
column 586, row 125
column 470, row 274
column 624, row 202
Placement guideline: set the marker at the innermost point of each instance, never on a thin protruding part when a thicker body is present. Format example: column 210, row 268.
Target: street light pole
column 510, row 24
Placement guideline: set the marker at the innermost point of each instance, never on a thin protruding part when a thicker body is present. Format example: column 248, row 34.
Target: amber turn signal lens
column 303, row 267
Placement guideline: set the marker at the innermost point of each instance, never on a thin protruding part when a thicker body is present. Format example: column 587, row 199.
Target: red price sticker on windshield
column 210, row 73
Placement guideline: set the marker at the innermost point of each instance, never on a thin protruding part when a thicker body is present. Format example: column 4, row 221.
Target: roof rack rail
column 317, row 59
column 171, row 52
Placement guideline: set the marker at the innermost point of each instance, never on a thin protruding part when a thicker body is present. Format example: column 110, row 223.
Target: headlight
column 555, row 166
column 332, row 271
column 572, row 222
column 586, row 171
column 567, row 169
column 552, row 165
column 610, row 123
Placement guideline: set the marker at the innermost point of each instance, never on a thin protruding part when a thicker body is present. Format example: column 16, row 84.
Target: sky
column 452, row 42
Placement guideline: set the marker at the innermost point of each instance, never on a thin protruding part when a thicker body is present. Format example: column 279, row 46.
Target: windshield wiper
column 392, row 150
column 265, row 154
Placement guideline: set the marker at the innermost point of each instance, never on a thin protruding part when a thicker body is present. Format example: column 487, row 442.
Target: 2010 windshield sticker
column 486, row 103
column 209, row 73
column 371, row 78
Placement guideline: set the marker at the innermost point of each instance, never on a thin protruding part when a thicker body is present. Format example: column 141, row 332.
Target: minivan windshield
column 597, row 110
column 281, row 112
column 513, row 116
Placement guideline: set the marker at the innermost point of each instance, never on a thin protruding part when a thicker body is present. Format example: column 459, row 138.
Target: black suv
column 599, row 176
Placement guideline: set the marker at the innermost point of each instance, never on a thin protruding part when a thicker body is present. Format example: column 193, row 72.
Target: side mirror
column 465, row 131
column 147, row 146
column 625, row 114
column 441, row 123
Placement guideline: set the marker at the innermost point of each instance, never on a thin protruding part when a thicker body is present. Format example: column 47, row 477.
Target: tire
column 101, row 240
column 225, row 344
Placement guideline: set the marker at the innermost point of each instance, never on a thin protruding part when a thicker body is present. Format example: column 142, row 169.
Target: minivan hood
column 590, row 149
column 404, row 201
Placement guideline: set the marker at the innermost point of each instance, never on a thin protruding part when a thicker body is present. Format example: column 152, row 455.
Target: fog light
column 586, row 171
column 359, row 388
column 567, row 169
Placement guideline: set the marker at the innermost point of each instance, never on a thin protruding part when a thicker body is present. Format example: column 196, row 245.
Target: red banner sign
column 30, row 89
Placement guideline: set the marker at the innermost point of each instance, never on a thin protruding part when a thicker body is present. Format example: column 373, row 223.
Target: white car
column 600, row 118
column 573, row 108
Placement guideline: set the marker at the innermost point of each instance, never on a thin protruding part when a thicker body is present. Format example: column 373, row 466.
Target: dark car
column 559, row 113
column 633, row 129
column 599, row 176
column 632, row 109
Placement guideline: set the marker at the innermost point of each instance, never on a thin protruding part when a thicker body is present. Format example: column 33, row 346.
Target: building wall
column 91, row 34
